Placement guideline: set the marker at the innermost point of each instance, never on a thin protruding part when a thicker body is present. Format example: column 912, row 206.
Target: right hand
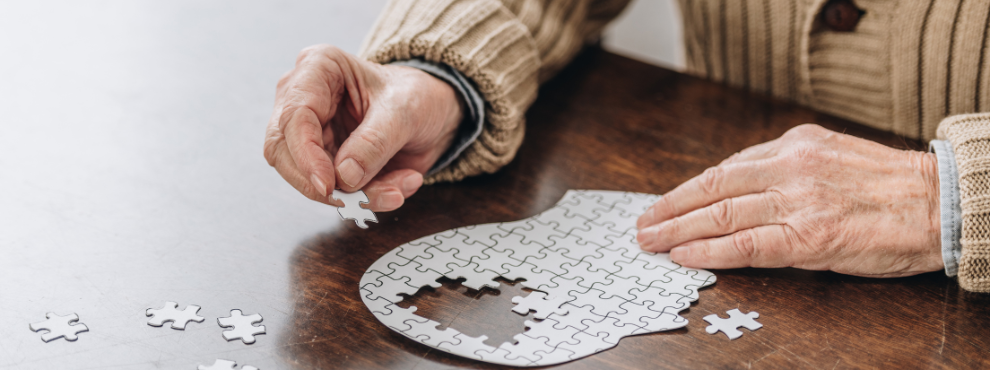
column 343, row 122
column 814, row 199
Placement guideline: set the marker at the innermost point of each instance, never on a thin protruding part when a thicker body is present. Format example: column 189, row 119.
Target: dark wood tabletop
column 612, row 123
column 132, row 174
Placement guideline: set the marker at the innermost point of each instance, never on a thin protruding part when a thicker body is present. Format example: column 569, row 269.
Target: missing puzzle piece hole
column 473, row 312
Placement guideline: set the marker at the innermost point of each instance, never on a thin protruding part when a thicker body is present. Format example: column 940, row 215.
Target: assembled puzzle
column 592, row 284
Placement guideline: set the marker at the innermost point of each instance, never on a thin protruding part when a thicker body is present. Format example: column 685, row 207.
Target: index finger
column 306, row 101
column 304, row 138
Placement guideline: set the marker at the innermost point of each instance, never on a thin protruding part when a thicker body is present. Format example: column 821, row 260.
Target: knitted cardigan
column 917, row 68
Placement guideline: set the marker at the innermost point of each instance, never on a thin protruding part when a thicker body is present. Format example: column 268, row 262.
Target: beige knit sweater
column 908, row 65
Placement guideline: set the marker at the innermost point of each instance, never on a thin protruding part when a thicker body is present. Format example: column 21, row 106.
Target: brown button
column 841, row 15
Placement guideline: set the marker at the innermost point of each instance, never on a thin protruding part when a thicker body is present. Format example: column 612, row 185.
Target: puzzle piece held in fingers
column 352, row 209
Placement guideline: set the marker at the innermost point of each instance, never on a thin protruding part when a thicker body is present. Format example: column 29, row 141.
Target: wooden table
column 161, row 194
column 612, row 123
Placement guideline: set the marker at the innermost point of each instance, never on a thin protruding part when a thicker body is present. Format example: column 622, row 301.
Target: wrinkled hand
column 340, row 121
column 812, row 199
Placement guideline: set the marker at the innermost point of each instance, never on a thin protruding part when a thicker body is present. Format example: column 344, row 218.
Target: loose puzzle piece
column 224, row 365
column 352, row 207
column 171, row 313
column 592, row 284
column 729, row 326
column 59, row 327
column 243, row 326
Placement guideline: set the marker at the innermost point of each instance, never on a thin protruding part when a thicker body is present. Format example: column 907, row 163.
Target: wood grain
column 612, row 123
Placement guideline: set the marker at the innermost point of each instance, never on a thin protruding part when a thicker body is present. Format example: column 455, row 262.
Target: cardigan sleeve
column 505, row 47
column 969, row 135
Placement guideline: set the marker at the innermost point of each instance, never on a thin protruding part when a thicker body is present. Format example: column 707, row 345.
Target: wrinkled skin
column 812, row 199
column 342, row 122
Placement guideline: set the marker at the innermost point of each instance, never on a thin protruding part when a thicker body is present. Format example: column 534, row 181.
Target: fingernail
column 411, row 183
column 647, row 237
column 351, row 172
column 680, row 253
column 390, row 200
column 318, row 184
column 645, row 219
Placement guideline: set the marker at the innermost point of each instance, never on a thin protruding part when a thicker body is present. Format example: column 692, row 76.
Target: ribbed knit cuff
column 474, row 120
column 970, row 138
column 951, row 212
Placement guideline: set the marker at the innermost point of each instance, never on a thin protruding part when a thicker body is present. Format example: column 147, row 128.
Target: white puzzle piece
column 171, row 313
column 554, row 336
column 243, row 326
column 466, row 344
column 582, row 253
column 224, row 365
column 352, row 209
column 541, row 303
column 219, row 365
column 730, row 326
column 57, row 326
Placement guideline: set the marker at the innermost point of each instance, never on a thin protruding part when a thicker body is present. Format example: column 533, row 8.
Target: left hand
column 812, row 199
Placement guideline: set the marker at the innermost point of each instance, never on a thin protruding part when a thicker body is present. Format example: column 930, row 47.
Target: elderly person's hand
column 340, row 121
column 812, row 199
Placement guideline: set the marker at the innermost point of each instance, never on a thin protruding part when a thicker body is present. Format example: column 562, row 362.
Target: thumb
column 388, row 191
column 368, row 148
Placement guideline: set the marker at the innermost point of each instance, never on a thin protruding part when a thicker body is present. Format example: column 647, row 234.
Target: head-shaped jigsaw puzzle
column 592, row 284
